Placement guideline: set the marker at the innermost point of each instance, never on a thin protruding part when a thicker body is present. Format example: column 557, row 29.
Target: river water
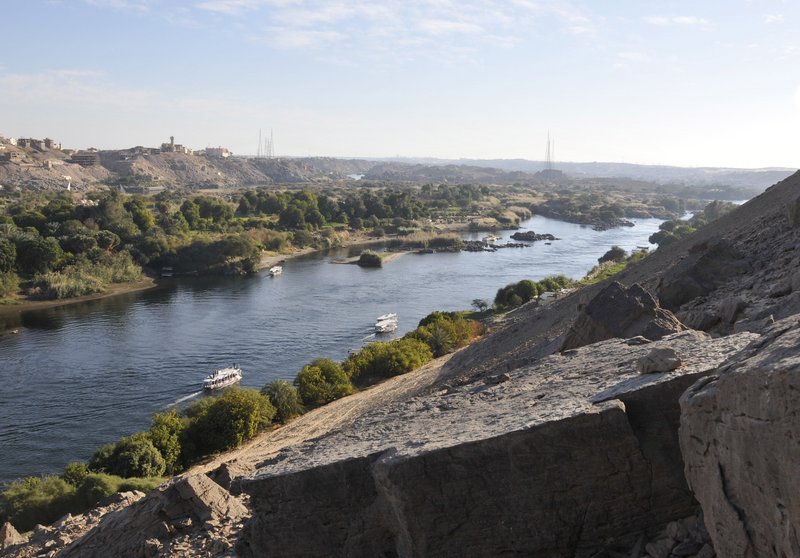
column 78, row 376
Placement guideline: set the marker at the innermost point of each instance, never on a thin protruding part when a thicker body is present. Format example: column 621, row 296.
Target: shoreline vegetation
column 208, row 427
column 69, row 245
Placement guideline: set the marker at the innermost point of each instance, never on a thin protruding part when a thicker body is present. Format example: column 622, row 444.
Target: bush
column 9, row 283
column 100, row 459
column 444, row 333
column 370, row 259
column 234, row 417
column 97, row 486
column 35, row 500
column 384, row 360
column 74, row 473
column 615, row 254
column 285, row 398
column 165, row 433
column 136, row 456
column 322, row 381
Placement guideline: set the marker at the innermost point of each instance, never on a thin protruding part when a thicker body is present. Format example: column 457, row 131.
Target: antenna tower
column 549, row 153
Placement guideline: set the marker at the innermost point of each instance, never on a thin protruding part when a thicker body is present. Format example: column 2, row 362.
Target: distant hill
column 756, row 179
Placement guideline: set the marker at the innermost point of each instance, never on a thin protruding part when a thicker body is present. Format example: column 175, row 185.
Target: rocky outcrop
column 189, row 508
column 739, row 435
column 571, row 454
column 617, row 311
column 531, row 236
column 9, row 536
column 708, row 265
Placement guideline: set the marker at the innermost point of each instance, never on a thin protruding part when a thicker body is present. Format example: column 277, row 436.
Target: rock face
column 9, row 536
column 621, row 312
column 739, row 435
column 571, row 454
column 709, row 265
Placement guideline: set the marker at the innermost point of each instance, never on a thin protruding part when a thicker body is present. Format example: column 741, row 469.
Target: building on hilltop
column 173, row 147
column 86, row 158
column 218, row 152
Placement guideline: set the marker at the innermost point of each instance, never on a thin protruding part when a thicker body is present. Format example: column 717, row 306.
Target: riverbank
column 24, row 305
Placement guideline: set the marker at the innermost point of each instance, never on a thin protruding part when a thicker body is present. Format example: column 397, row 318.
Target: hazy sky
column 669, row 82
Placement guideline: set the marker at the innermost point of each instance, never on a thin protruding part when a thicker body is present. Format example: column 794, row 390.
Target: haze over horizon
column 687, row 84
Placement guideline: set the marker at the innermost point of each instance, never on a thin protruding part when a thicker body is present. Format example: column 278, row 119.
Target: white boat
column 386, row 326
column 491, row 239
column 222, row 378
column 275, row 270
column 386, row 323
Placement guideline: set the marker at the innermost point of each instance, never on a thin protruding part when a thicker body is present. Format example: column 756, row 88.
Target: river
column 78, row 376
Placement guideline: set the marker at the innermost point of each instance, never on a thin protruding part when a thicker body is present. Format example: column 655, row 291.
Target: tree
column 615, row 254
column 285, row 398
column 322, row 381
column 480, row 304
column 234, row 417
column 369, row 258
column 36, row 254
column 8, row 255
column 136, row 456
column 292, row 218
column 165, row 433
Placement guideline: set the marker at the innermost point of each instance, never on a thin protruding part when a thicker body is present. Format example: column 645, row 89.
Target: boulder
column 658, row 360
column 9, row 536
column 179, row 507
column 617, row 311
column 738, row 435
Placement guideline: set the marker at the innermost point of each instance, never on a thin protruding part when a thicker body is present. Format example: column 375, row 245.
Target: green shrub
column 370, row 259
column 615, row 254
column 136, row 456
column 35, row 500
column 74, row 473
column 100, row 459
column 285, row 398
column 231, row 419
column 165, row 433
column 386, row 359
column 97, row 486
column 322, row 381
column 9, row 283
column 444, row 334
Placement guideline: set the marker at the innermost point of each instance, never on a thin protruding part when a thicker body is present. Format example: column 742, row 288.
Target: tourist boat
column 386, row 323
column 491, row 239
column 222, row 378
column 275, row 270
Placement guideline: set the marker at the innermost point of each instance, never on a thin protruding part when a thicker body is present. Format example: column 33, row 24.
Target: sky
column 689, row 83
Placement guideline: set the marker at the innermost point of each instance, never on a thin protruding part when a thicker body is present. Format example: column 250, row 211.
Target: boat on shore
column 386, row 323
column 222, row 378
column 275, row 270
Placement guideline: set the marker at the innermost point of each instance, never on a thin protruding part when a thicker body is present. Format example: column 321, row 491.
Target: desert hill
column 654, row 414
column 141, row 168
